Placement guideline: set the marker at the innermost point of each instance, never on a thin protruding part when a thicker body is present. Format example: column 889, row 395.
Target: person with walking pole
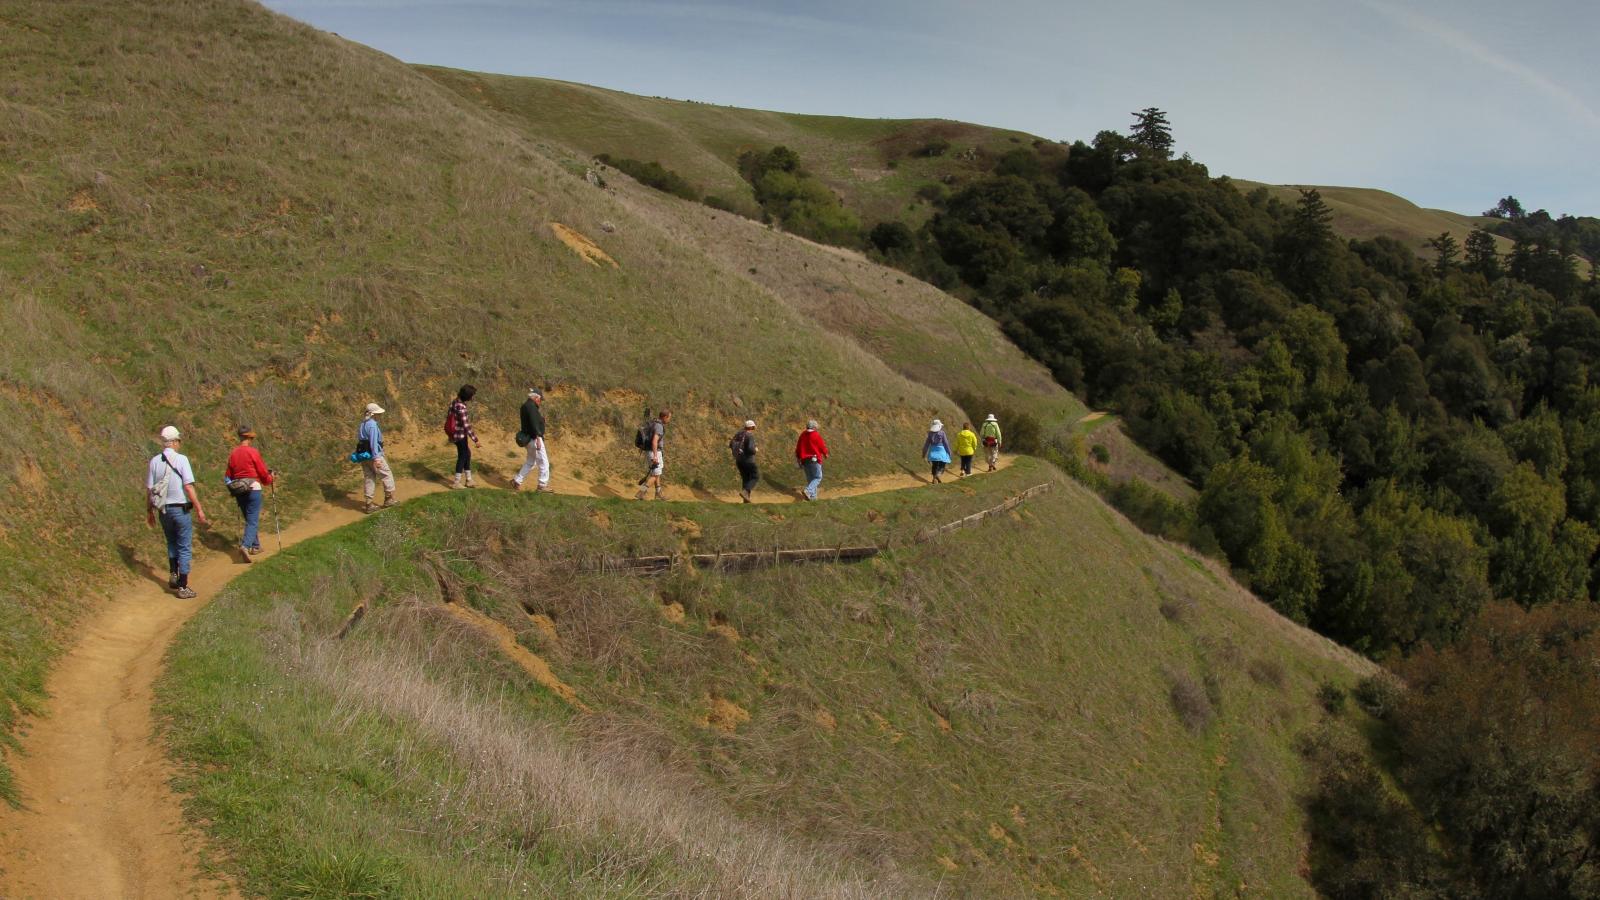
column 246, row 477
column 652, row 440
column 170, row 496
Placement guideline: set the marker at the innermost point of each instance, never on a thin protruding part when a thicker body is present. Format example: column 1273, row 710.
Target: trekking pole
column 277, row 523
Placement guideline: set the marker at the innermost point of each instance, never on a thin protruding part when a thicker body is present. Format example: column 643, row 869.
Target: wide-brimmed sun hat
column 936, row 426
column 990, row 418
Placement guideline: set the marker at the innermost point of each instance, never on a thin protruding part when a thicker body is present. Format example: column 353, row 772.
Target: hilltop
column 877, row 166
column 225, row 216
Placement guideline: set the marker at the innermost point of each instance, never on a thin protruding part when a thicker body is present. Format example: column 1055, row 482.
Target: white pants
column 537, row 458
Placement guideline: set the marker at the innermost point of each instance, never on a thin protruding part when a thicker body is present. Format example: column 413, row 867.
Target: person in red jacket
column 810, row 450
column 246, row 477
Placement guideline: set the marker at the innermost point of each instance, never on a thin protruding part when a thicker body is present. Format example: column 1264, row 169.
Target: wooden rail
column 746, row 560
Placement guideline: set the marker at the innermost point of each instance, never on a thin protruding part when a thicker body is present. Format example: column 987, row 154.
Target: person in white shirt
column 170, row 496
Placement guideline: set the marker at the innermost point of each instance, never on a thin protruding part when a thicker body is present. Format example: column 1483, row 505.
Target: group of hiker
column 171, row 498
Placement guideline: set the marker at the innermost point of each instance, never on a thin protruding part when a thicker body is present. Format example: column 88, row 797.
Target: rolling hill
column 223, row 216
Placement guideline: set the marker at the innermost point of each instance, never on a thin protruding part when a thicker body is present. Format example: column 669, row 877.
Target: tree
column 1445, row 250
column 1152, row 134
column 1481, row 256
column 1508, row 208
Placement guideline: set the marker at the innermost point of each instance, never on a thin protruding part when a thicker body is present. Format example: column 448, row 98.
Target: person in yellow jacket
column 966, row 447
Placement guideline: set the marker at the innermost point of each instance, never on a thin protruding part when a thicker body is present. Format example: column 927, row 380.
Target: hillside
column 225, row 216
column 876, row 165
column 195, row 245
column 966, row 715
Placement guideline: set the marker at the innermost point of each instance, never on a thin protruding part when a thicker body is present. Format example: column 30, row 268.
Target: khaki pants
column 374, row 470
column 994, row 454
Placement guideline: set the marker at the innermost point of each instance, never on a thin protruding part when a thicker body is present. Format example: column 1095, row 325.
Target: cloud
column 1466, row 44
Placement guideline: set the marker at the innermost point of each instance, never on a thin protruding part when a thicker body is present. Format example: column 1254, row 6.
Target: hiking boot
column 367, row 508
column 184, row 593
column 390, row 500
column 745, row 496
column 245, row 552
column 544, row 489
column 516, row 485
column 172, row 580
column 642, row 492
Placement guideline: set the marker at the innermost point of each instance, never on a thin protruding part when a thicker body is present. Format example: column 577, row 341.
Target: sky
column 1451, row 105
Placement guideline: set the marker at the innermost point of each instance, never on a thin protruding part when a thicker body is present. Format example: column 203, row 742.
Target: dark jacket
column 532, row 420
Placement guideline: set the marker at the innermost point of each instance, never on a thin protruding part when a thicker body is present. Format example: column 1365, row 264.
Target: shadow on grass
column 924, row 478
column 130, row 558
column 605, row 490
column 333, row 495
column 422, row 472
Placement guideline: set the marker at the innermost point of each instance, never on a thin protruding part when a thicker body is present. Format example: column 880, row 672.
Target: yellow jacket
column 966, row 442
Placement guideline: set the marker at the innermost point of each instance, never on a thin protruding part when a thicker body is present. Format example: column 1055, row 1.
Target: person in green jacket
column 992, row 439
column 966, row 447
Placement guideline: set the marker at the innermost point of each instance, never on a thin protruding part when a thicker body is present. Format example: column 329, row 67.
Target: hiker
column 247, row 477
column 966, row 447
column 532, row 437
column 170, row 494
column 458, row 427
column 374, row 468
column 810, row 451
column 743, row 446
column 652, row 437
column 990, row 434
column 936, row 449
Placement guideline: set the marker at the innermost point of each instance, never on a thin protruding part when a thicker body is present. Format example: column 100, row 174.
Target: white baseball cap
column 535, row 392
column 749, row 423
column 171, row 433
column 374, row 409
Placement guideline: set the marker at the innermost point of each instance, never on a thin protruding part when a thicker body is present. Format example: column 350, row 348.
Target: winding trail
column 100, row 818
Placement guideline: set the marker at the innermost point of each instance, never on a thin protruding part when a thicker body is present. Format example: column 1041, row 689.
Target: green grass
column 1049, row 641
column 216, row 215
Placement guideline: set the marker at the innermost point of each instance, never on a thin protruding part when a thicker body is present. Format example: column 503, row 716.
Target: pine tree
column 1446, row 250
column 1481, row 256
column 1152, row 133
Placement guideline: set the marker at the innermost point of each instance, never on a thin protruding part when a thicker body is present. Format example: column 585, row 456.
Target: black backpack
column 641, row 439
column 739, row 444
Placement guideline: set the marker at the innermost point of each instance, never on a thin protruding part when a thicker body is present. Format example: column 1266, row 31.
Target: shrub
column 1101, row 454
column 653, row 174
column 1378, row 695
column 934, row 193
column 1267, row 672
column 716, row 202
column 936, row 147
column 1190, row 702
column 1331, row 697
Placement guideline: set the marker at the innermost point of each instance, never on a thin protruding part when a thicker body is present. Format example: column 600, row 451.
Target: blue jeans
column 813, row 478
column 178, row 526
column 250, row 508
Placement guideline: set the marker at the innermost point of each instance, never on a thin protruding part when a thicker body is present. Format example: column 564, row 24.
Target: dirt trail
column 100, row 819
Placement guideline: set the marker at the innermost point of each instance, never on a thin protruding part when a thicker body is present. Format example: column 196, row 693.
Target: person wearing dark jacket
column 533, row 430
column 743, row 446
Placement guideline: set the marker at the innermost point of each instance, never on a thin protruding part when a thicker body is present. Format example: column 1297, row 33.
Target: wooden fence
column 746, row 560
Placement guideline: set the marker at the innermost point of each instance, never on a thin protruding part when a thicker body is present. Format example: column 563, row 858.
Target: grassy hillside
column 218, row 215
column 1366, row 213
column 874, row 164
column 1047, row 703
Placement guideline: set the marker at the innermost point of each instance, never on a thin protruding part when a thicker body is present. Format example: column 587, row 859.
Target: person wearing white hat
column 743, row 446
column 170, row 495
column 936, row 449
column 989, row 434
column 531, row 437
column 374, row 468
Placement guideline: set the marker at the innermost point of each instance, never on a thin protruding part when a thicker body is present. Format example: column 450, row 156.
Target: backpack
column 641, row 439
column 450, row 423
column 739, row 444
column 158, row 491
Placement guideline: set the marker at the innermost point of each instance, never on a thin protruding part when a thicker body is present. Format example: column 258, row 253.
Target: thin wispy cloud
column 1477, row 50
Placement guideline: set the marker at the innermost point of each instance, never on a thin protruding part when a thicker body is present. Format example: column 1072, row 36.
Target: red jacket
column 246, row 462
column 810, row 444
